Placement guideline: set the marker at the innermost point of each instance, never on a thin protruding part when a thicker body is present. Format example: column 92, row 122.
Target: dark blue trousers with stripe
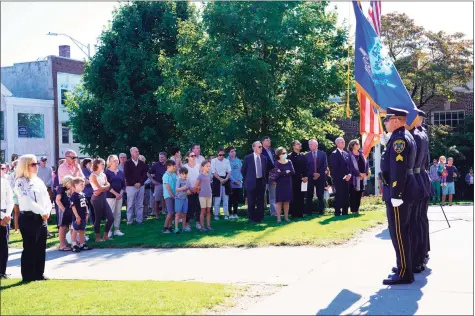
column 399, row 222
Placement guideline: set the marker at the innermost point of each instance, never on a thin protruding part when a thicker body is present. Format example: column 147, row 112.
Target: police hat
column 421, row 113
column 390, row 112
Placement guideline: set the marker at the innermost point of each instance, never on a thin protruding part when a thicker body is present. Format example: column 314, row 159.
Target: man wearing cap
column 45, row 173
column 397, row 163
column 420, row 193
column 424, row 207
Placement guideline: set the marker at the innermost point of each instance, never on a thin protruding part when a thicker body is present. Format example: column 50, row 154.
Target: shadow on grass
column 6, row 287
column 339, row 218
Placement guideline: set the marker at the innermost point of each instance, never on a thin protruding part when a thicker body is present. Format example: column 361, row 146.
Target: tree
column 255, row 68
column 116, row 108
column 430, row 63
column 453, row 142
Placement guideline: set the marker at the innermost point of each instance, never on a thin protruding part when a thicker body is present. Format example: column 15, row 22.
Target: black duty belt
column 409, row 171
column 417, row 170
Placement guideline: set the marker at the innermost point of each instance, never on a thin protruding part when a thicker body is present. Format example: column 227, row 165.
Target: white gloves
column 396, row 202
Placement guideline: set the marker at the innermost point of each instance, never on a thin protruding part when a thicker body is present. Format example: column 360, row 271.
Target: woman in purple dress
column 284, row 172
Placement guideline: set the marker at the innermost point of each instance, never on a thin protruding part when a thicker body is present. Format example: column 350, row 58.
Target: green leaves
column 252, row 69
column 430, row 64
column 117, row 108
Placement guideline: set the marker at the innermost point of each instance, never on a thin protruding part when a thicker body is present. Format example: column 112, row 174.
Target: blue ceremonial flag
column 375, row 75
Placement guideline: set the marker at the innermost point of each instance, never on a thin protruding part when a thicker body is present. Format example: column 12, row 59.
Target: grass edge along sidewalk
column 310, row 231
column 89, row 297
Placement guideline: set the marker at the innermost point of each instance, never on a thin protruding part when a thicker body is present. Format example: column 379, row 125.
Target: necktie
column 258, row 167
column 315, row 161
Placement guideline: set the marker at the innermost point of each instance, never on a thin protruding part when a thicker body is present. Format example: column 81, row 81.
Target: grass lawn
column 313, row 231
column 86, row 297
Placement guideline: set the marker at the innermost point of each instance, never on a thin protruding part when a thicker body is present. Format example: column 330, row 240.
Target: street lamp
column 81, row 46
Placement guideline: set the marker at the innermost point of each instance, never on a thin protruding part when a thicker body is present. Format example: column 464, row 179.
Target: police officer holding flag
column 397, row 163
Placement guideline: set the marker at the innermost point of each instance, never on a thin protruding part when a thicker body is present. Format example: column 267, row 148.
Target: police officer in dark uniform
column 300, row 165
column 420, row 192
column 397, row 163
column 424, row 206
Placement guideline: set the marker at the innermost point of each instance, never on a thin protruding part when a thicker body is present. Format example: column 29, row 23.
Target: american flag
column 375, row 13
column 370, row 122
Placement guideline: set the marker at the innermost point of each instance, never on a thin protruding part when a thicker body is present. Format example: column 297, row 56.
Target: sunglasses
column 220, row 155
column 284, row 153
column 72, row 157
column 34, row 164
column 193, row 156
column 3, row 168
column 259, row 146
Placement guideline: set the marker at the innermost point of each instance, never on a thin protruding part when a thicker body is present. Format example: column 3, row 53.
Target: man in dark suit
column 255, row 169
column 300, row 166
column 340, row 170
column 316, row 166
column 269, row 152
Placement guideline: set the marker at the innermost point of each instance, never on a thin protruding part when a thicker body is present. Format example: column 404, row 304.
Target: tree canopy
column 252, row 69
column 115, row 108
column 430, row 63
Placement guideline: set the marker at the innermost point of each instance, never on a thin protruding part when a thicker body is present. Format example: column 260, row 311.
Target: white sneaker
column 118, row 233
column 198, row 226
column 236, row 216
column 226, row 217
column 180, row 220
column 110, row 234
column 216, row 218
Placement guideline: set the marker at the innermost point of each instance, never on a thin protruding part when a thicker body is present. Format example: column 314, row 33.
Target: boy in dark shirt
column 79, row 207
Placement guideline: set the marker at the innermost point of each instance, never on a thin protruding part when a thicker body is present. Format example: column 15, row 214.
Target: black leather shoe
column 419, row 269
column 394, row 270
column 42, row 278
column 395, row 280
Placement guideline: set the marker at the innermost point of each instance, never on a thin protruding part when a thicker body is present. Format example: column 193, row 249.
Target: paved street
column 336, row 280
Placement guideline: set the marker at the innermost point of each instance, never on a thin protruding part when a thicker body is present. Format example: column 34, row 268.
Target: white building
column 27, row 126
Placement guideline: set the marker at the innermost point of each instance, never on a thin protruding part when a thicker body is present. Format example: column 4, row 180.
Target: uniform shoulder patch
column 399, row 145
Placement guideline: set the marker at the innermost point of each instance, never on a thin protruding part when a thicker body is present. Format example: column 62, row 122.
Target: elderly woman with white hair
column 35, row 207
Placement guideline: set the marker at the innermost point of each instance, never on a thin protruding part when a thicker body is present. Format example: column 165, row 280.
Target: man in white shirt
column 221, row 170
column 196, row 149
column 6, row 208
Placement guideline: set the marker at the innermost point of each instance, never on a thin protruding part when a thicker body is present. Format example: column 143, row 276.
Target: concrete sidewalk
column 350, row 283
column 335, row 280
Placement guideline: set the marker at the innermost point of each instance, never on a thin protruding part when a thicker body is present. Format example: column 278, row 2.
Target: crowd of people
column 188, row 191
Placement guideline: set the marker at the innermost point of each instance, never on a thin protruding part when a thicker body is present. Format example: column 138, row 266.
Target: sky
column 24, row 25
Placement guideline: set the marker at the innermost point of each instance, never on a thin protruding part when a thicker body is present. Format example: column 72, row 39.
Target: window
column 2, row 127
column 75, row 138
column 31, row 125
column 450, row 118
column 65, row 134
column 63, row 96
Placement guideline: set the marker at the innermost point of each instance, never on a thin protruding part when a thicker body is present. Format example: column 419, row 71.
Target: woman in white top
column 35, row 207
column 5, row 216
column 100, row 185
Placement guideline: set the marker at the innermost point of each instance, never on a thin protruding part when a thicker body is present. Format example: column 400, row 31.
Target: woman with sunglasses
column 194, row 207
column 35, row 207
column 283, row 191
column 221, row 170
